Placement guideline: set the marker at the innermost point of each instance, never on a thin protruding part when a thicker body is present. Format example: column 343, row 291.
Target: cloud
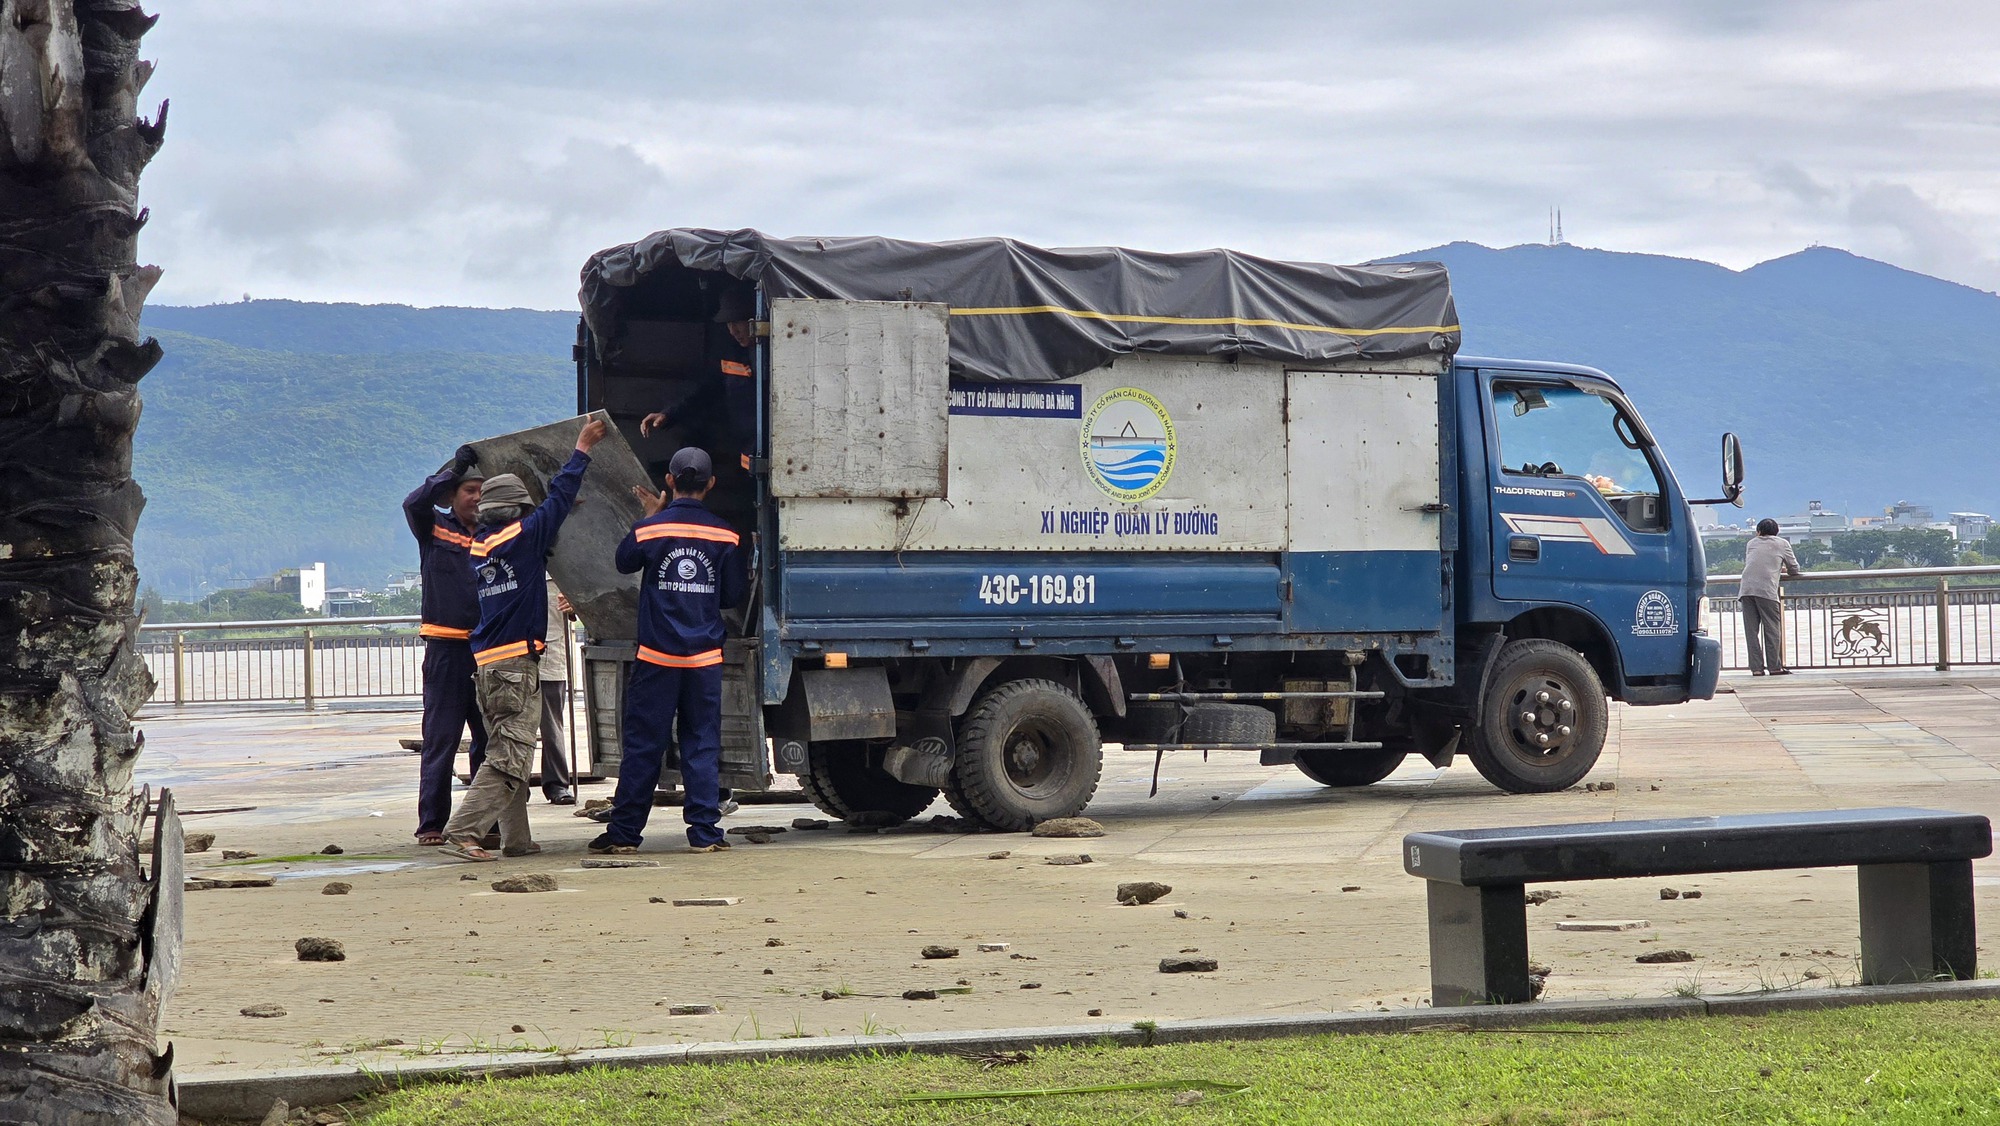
column 458, row 152
column 1923, row 236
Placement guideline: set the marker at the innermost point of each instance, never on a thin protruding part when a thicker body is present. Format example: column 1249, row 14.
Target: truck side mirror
column 1732, row 473
column 1732, row 469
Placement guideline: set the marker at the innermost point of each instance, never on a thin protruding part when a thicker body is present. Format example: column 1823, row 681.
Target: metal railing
column 1922, row 621
column 306, row 659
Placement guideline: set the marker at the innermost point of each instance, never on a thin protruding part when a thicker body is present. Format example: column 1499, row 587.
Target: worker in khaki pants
column 508, row 555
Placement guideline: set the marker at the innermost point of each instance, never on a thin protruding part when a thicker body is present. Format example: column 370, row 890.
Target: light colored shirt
column 555, row 659
column 1764, row 559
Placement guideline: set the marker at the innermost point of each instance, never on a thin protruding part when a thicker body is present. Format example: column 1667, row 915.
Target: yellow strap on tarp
column 1242, row 322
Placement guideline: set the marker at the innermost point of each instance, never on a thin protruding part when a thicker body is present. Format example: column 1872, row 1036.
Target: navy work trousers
column 655, row 698
column 449, row 704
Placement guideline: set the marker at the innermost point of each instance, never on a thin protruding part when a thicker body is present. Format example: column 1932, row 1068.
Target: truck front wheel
column 846, row 781
column 1541, row 726
column 1028, row 751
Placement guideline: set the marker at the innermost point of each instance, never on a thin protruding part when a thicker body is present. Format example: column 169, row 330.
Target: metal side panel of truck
column 969, row 586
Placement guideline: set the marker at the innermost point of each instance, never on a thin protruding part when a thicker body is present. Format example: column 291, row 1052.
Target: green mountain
column 280, row 433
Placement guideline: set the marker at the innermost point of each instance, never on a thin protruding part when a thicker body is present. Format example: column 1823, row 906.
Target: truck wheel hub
column 1542, row 711
column 1024, row 757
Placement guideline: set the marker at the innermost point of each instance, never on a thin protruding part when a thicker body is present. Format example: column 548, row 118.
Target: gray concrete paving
column 1296, row 889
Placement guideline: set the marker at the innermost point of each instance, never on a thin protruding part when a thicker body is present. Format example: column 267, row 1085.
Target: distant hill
column 355, row 330
column 280, row 432
column 1850, row 380
column 284, row 432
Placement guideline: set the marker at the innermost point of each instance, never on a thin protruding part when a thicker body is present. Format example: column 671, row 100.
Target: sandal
column 430, row 838
column 529, row 849
column 467, row 850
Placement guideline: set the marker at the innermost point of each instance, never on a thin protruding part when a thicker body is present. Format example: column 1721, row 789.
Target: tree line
column 1869, row 547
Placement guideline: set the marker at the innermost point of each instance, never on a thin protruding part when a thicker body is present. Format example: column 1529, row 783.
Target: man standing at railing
column 509, row 557
column 442, row 513
column 1765, row 558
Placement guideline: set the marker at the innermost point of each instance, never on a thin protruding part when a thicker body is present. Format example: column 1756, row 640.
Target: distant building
column 1906, row 514
column 1817, row 522
column 307, row 584
column 347, row 602
column 407, row 580
column 1970, row 527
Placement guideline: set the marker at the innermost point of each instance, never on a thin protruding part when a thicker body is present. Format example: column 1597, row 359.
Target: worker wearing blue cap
column 692, row 565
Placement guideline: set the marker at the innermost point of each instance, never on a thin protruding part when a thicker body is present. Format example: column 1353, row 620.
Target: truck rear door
column 1364, row 517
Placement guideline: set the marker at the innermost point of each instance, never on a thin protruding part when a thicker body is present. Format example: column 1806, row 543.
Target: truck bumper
column 1704, row 666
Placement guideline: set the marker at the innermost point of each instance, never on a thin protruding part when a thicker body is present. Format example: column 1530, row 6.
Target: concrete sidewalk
column 1295, row 889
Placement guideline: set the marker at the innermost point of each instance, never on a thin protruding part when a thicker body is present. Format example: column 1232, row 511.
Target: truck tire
column 1209, row 725
column 841, row 780
column 1028, row 751
column 1348, row 768
column 1151, row 721
column 1541, row 726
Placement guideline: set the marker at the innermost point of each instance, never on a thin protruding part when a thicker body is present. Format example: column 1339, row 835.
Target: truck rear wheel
column 1541, row 726
column 1028, row 751
column 842, row 779
column 1348, row 768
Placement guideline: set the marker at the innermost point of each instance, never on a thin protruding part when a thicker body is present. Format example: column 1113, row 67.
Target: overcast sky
column 441, row 152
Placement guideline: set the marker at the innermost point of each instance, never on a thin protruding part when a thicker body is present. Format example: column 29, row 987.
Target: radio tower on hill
column 1556, row 227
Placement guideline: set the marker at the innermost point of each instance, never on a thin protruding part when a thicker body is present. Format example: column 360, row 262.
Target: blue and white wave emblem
column 1128, row 444
column 1129, row 464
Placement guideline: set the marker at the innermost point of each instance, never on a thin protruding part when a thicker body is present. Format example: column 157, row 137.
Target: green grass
column 1930, row 1063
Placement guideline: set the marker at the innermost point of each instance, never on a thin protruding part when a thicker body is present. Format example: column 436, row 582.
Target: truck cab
column 1576, row 537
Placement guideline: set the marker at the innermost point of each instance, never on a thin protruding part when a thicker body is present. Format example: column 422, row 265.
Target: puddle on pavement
column 317, row 872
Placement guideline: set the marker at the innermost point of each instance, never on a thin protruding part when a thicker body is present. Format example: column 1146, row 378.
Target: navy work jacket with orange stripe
column 691, row 566
column 451, row 606
column 510, row 564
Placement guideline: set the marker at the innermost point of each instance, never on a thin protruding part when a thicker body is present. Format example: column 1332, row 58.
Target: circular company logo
column 686, row 569
column 1128, row 444
column 1654, row 616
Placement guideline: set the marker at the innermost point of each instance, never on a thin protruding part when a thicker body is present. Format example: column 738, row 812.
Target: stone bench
column 1914, row 865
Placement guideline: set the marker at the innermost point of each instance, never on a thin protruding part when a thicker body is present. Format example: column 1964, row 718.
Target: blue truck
column 1011, row 505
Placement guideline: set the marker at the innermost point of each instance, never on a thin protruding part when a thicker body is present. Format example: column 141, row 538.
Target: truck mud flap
column 830, row 705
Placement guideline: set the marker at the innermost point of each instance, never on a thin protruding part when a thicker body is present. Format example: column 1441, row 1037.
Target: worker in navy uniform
column 508, row 556
column 691, row 566
column 441, row 514
column 727, row 370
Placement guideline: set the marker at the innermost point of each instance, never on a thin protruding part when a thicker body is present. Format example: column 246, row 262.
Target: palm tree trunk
column 88, row 946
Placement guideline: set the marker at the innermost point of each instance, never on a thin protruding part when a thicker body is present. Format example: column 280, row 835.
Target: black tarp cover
column 1024, row 314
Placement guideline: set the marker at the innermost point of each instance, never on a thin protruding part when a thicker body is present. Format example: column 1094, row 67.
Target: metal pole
column 180, row 668
column 309, row 668
column 569, row 701
column 1944, row 624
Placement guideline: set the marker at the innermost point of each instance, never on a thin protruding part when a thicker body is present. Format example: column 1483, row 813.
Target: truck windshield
column 1556, row 431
